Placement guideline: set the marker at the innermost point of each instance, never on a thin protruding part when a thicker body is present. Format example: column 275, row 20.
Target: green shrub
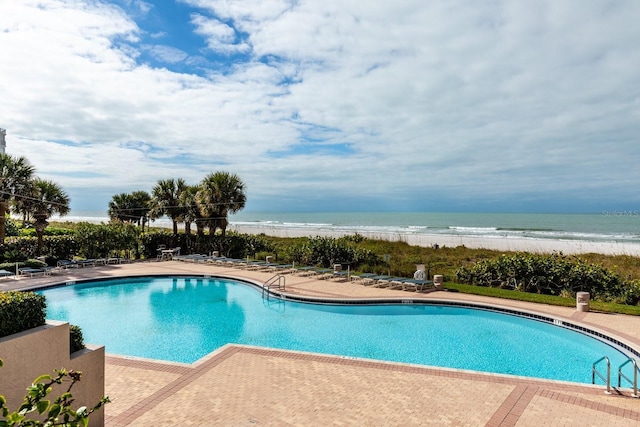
column 233, row 245
column 326, row 251
column 60, row 247
column 21, row 311
column 76, row 341
column 49, row 231
column 101, row 240
column 10, row 227
column 551, row 274
column 17, row 249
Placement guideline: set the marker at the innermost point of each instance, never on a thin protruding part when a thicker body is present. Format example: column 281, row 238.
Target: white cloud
column 166, row 53
column 466, row 99
column 220, row 36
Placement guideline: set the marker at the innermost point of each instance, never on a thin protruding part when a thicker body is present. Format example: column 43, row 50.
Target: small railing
column 636, row 369
column 276, row 282
column 594, row 372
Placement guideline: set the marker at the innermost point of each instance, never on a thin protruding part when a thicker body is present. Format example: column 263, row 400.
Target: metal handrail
column 595, row 372
column 277, row 280
column 636, row 369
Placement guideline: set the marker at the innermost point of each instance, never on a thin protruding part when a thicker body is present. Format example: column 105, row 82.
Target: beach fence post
column 582, row 301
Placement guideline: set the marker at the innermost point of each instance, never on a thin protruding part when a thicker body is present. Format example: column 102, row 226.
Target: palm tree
column 165, row 200
column 121, row 208
column 220, row 193
column 22, row 205
column 190, row 211
column 142, row 202
column 15, row 175
column 48, row 199
column 130, row 207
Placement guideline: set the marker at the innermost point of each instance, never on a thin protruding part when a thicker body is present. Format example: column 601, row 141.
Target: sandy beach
column 569, row 247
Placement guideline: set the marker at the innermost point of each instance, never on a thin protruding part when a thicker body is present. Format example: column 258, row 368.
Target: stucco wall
column 39, row 351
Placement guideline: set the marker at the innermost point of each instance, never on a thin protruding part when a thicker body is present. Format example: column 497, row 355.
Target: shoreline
column 520, row 244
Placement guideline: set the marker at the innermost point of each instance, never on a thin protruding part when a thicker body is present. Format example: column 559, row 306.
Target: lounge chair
column 235, row 262
column 306, row 271
column 372, row 280
column 341, row 275
column 392, row 282
column 67, row 263
column 30, row 271
column 362, row 277
column 417, row 284
column 5, row 273
column 218, row 260
column 282, row 268
column 256, row 265
column 324, row 273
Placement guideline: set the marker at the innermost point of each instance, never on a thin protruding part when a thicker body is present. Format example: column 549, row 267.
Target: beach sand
column 569, row 247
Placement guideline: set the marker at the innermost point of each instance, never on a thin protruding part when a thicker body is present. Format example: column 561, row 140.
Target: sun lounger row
column 367, row 279
column 392, row 282
column 92, row 262
column 257, row 265
column 62, row 264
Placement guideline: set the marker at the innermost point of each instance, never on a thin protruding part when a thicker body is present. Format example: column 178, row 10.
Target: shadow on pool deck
column 241, row 385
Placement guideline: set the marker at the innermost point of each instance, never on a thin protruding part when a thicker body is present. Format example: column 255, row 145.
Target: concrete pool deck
column 242, row 385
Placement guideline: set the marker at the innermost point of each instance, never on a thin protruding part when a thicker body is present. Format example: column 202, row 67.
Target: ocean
column 605, row 227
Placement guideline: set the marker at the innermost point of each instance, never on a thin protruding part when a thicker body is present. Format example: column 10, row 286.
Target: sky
column 331, row 105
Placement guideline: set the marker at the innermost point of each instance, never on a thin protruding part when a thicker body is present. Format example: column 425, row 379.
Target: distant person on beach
column 436, row 246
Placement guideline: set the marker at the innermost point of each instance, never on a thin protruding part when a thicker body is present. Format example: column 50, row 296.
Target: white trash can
column 582, row 301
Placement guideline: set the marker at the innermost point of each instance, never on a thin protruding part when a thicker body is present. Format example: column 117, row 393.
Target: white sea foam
column 533, row 232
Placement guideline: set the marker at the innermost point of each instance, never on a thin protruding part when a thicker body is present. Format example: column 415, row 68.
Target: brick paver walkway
column 242, row 386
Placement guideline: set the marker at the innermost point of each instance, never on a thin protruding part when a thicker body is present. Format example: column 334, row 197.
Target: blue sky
column 419, row 105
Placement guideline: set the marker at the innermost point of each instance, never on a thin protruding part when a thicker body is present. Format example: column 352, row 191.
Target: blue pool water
column 183, row 319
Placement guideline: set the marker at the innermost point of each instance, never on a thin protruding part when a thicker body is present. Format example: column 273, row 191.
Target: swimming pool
column 183, row 319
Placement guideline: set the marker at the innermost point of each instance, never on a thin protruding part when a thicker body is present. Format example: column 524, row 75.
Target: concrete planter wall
column 41, row 350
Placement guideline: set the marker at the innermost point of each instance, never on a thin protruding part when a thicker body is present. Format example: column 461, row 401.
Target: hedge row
column 326, row 251
column 554, row 274
column 21, row 311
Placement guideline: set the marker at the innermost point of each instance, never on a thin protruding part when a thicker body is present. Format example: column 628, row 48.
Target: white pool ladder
column 278, row 281
column 636, row 369
column 594, row 372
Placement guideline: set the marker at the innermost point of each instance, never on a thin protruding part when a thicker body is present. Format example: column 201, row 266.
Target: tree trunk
column 200, row 228
column 223, row 225
column 40, row 225
column 4, row 207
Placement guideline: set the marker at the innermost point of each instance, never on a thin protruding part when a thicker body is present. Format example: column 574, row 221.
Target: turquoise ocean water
column 608, row 226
